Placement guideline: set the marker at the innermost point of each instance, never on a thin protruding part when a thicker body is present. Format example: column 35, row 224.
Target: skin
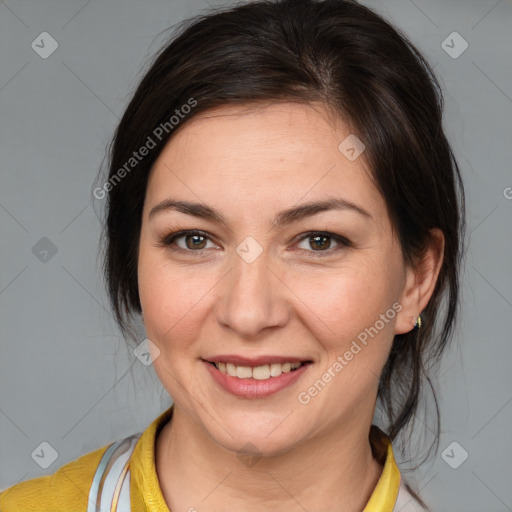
column 250, row 164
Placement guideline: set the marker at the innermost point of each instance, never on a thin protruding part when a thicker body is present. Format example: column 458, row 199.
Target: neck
column 331, row 472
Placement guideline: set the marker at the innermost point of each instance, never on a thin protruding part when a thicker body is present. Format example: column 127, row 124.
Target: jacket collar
column 146, row 494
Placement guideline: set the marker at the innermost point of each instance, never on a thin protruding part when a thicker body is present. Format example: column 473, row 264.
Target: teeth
column 257, row 372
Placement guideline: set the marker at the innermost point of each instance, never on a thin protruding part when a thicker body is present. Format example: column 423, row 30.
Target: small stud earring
column 417, row 325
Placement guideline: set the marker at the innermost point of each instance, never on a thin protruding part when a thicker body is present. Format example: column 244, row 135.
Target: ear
column 420, row 283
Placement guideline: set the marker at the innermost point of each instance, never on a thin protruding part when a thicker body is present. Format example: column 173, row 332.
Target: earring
column 417, row 325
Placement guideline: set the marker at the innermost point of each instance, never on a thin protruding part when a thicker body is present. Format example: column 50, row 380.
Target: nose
column 254, row 297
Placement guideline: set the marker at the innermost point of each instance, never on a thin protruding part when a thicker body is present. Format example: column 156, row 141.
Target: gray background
column 66, row 377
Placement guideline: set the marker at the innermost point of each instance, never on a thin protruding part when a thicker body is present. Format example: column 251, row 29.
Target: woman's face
column 263, row 285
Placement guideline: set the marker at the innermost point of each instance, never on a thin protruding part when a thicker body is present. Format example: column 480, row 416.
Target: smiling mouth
column 262, row 372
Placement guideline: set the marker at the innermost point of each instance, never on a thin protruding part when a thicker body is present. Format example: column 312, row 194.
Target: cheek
column 170, row 302
column 175, row 300
column 172, row 316
column 342, row 303
column 353, row 320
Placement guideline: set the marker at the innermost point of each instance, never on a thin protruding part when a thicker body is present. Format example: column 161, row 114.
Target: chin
column 253, row 440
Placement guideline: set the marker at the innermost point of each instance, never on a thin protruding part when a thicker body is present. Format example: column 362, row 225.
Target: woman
column 287, row 215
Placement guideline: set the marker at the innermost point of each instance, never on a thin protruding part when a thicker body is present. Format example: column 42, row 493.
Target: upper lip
column 254, row 361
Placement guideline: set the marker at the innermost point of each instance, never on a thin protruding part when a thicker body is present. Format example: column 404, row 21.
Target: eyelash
column 169, row 240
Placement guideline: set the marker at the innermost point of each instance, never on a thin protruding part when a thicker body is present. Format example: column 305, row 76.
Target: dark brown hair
column 344, row 55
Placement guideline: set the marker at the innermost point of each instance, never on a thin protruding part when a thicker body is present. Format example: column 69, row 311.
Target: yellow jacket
column 68, row 489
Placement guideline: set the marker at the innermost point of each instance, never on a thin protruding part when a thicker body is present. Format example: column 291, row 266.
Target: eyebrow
column 288, row 216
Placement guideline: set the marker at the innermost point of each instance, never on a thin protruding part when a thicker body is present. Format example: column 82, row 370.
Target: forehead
column 279, row 131
column 266, row 154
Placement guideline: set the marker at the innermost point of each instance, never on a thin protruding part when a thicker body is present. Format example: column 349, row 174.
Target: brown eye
column 195, row 241
column 321, row 242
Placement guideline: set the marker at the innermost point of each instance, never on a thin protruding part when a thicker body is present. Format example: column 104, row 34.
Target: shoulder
column 66, row 489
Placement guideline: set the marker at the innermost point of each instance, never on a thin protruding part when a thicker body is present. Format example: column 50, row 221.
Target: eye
column 194, row 241
column 321, row 242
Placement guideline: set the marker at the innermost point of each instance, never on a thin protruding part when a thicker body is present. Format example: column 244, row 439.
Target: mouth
column 260, row 372
column 258, row 380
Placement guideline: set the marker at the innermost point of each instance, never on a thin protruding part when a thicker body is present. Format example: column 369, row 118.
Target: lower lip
column 254, row 388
